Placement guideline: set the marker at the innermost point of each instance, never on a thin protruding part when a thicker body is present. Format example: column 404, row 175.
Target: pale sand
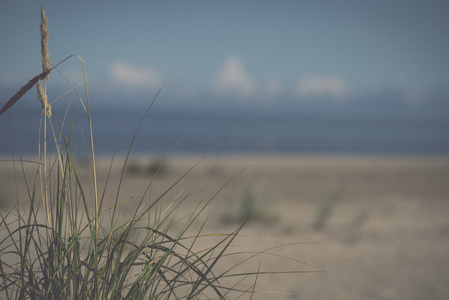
column 384, row 230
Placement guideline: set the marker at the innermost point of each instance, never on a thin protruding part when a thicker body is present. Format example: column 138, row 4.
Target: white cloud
column 133, row 77
column 233, row 79
column 334, row 87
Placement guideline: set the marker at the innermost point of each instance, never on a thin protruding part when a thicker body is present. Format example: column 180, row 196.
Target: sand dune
column 379, row 227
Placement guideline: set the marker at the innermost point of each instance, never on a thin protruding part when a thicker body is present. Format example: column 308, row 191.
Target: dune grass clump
column 254, row 206
column 65, row 239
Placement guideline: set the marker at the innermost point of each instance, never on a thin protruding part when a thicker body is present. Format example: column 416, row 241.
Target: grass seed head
column 43, row 97
column 46, row 65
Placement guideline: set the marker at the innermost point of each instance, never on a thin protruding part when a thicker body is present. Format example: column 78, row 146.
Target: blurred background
column 331, row 77
column 343, row 80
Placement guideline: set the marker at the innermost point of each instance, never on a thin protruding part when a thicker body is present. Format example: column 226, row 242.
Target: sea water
column 232, row 131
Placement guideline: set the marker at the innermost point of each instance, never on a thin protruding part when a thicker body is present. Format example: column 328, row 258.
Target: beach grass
column 63, row 239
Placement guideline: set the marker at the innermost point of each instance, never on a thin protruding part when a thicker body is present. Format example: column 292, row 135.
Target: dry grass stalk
column 23, row 90
column 43, row 97
column 46, row 65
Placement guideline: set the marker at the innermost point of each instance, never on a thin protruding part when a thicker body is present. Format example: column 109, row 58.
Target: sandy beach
column 366, row 227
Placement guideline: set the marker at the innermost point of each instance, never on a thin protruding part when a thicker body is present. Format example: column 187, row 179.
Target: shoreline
column 257, row 156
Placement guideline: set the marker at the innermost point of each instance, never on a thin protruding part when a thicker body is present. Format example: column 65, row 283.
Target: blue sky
column 262, row 51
